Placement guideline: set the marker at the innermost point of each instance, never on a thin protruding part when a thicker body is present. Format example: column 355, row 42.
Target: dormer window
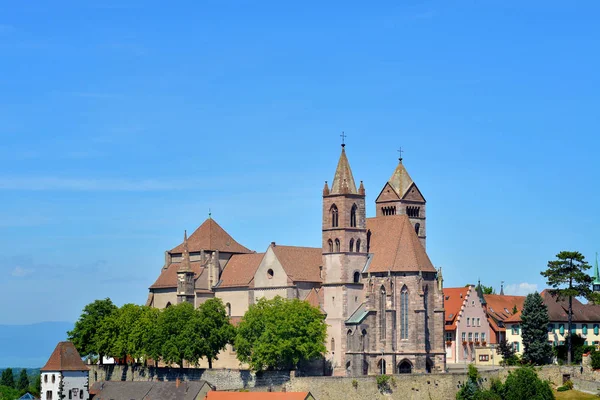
column 334, row 216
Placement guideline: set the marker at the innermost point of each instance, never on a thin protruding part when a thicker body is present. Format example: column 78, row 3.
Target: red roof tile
column 454, row 298
column 168, row 277
column 500, row 306
column 210, row 236
column 300, row 263
column 215, row 395
column 240, row 269
column 65, row 357
column 395, row 246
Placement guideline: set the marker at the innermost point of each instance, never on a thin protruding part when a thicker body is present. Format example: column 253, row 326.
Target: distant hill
column 30, row 346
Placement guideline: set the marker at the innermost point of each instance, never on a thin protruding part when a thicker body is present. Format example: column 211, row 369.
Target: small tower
column 596, row 283
column 400, row 195
column 64, row 376
column 185, row 276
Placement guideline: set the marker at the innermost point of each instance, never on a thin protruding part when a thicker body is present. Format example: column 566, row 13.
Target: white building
column 64, row 376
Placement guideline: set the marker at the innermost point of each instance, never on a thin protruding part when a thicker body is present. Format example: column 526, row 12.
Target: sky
column 123, row 122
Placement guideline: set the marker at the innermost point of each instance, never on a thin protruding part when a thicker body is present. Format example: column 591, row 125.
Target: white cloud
column 520, row 289
column 20, row 272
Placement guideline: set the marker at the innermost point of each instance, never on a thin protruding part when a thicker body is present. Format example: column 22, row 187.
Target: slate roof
column 210, row 236
column 163, row 390
column 301, row 264
column 343, row 181
column 395, row 246
column 558, row 310
column 168, row 277
column 65, row 357
column 400, row 180
column 454, row 299
column 215, row 395
column 27, row 396
column 240, row 270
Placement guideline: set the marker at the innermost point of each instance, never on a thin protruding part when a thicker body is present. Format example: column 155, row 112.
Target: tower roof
column 596, row 272
column 343, row 181
column 185, row 262
column 400, row 180
column 65, row 357
column 210, row 236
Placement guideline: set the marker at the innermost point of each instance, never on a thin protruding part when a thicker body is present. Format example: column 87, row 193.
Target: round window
column 270, row 274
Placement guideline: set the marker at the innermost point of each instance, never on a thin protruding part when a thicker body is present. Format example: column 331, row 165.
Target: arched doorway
column 365, row 367
column 381, row 366
column 428, row 365
column 405, row 367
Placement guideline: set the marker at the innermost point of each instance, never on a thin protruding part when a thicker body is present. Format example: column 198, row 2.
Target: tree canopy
column 86, row 335
column 567, row 277
column 217, row 332
column 485, row 289
column 23, row 382
column 7, row 378
column 534, row 325
column 280, row 333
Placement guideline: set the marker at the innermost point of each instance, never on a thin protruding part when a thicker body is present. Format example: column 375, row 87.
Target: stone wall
column 221, row 379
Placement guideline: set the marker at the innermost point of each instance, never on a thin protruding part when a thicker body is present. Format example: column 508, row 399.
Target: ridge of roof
column 300, row 263
column 168, row 276
column 211, row 236
column 343, row 181
column 400, row 180
column 65, row 357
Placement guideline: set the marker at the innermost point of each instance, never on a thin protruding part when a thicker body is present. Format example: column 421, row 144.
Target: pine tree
column 534, row 323
column 23, row 382
column 7, row 378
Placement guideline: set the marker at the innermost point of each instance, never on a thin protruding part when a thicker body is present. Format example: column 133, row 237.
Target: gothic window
column 353, row 216
column 392, row 293
column 382, row 313
column 330, row 243
column 356, row 277
column 349, row 340
column 358, row 245
column 332, row 345
column 334, row 216
column 390, row 210
column 404, row 367
column 364, row 340
column 368, row 241
column 168, row 305
column 417, row 228
column 426, row 307
column 413, row 211
column 337, row 245
column 228, row 307
column 351, row 245
column 404, row 313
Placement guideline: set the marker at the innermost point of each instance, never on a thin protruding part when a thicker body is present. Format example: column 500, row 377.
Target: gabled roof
column 500, row 306
column 164, row 390
column 558, row 309
column 215, row 395
column 343, row 181
column 400, row 180
column 315, row 298
column 210, row 236
column 359, row 314
column 240, row 270
column 168, row 277
column 395, row 246
column 65, row 357
column 454, row 298
column 300, row 263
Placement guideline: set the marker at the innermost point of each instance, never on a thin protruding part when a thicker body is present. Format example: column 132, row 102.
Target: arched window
column 349, row 340
column 381, row 366
column 81, row 394
column 353, row 216
column 428, row 365
column 417, row 228
column 351, row 245
column 337, row 245
column 404, row 313
column 228, row 308
column 45, row 378
column 382, row 300
column 334, row 216
column 404, row 367
column 356, row 278
column 332, row 345
column 168, row 305
column 358, row 245
column 53, row 378
column 70, row 394
column 330, row 243
column 365, row 367
column 364, row 340
column 392, row 294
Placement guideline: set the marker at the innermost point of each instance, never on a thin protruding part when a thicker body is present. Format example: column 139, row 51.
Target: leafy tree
column 8, row 393
column 86, row 333
column 523, row 383
column 116, row 333
column 179, row 333
column 7, row 378
column 485, row 289
column 579, row 347
column 508, row 353
column 567, row 276
column 143, row 335
column 217, row 332
column 23, row 382
column 514, row 310
column 472, row 390
column 534, row 323
column 37, row 388
column 280, row 333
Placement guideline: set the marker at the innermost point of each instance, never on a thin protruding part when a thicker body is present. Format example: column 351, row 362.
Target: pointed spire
column 343, row 181
column 361, row 189
column 596, row 272
column 502, row 288
column 400, row 180
column 480, row 292
column 326, row 189
column 185, row 262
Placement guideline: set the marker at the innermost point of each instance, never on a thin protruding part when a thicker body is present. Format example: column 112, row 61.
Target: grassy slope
column 574, row 395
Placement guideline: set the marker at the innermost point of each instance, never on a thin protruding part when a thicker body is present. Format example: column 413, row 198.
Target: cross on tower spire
column 400, row 151
column 343, row 136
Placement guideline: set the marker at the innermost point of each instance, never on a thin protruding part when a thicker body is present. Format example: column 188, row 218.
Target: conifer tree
column 7, row 378
column 23, row 382
column 534, row 324
column 567, row 276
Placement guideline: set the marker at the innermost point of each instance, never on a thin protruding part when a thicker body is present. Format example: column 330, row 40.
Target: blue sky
column 123, row 122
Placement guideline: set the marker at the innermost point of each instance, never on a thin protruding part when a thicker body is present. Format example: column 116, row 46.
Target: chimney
column 273, row 244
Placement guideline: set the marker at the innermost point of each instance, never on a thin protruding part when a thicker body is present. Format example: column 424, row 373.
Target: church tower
column 399, row 196
column 185, row 276
column 596, row 282
column 344, row 255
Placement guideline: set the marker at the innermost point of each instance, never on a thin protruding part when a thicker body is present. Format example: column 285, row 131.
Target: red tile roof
column 300, row 263
column 65, row 357
column 500, row 306
column 240, row 269
column 215, row 395
column 210, row 236
column 454, row 298
column 395, row 246
column 168, row 277
column 315, row 298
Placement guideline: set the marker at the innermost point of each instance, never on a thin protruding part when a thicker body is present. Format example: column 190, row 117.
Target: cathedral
column 380, row 294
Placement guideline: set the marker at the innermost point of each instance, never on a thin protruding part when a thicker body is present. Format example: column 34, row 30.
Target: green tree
column 485, row 289
column 217, row 332
column 523, row 383
column 86, row 333
column 7, row 378
column 179, row 333
column 507, row 351
column 36, row 389
column 567, row 276
column 23, row 382
column 534, row 323
column 116, row 336
column 144, row 333
column 280, row 333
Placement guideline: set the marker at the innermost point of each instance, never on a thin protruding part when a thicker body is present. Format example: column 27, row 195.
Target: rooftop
column 210, row 236
column 65, row 357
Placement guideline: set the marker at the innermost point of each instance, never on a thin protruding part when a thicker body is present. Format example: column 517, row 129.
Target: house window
column 515, row 329
column 382, row 300
column 358, row 245
column 574, row 329
column 596, row 329
column 353, row 216
column 81, row 394
column 517, row 347
column 484, row 357
column 404, row 313
column 228, row 307
column 482, row 337
column 364, row 340
column 351, row 245
column 337, row 245
column 465, row 352
column 70, row 394
column 53, row 378
column 478, row 322
column 330, row 243
column 477, row 336
column 270, row 273
column 561, row 329
column 45, row 378
column 584, row 329
column 334, row 216
column 332, row 345
column 349, row 340
column 464, row 337
column 49, row 395
column 448, row 336
column 468, row 321
column 550, row 327
column 470, row 336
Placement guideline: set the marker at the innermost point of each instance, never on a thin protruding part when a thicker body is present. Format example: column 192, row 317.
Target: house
column 498, row 308
column 585, row 322
column 64, row 376
column 164, row 390
column 259, row 396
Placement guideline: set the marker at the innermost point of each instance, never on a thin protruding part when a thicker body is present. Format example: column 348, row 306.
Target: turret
column 185, row 276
